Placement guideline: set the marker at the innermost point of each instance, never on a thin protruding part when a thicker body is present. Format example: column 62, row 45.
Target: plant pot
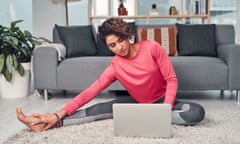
column 18, row 87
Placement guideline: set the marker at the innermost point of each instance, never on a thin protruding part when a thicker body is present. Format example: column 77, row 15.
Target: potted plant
column 16, row 47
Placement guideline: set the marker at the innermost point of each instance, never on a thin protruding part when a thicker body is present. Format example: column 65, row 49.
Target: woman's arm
column 107, row 78
column 88, row 94
column 168, row 72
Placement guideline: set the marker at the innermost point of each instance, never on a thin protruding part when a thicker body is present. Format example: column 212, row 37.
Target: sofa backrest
column 225, row 34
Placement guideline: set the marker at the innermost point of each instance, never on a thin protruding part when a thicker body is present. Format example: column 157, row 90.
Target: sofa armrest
column 45, row 61
column 230, row 54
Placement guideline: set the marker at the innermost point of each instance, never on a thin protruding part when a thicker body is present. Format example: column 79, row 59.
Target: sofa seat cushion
column 196, row 40
column 196, row 72
column 73, row 73
column 86, row 69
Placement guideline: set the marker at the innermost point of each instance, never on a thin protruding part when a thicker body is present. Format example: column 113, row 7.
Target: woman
column 143, row 68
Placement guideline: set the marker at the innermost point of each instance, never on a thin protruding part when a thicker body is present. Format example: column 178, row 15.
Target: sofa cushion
column 165, row 36
column 102, row 48
column 78, row 40
column 133, row 29
column 196, row 40
column 200, row 72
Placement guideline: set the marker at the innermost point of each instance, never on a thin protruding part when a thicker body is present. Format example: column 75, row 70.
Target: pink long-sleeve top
column 148, row 76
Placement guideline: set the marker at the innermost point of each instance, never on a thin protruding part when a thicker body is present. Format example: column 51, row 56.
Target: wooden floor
column 34, row 104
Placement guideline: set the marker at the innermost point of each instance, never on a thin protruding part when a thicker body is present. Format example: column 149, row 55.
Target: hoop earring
column 131, row 40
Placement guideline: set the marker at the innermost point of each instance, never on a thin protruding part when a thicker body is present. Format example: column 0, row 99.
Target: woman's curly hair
column 115, row 26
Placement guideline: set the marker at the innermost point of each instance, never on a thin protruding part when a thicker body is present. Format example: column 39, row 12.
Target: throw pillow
column 196, row 40
column 133, row 29
column 165, row 36
column 103, row 49
column 78, row 40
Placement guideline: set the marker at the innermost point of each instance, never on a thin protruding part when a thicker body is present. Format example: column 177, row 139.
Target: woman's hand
column 48, row 119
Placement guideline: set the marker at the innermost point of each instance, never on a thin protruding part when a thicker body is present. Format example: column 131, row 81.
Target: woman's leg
column 187, row 113
column 184, row 113
column 96, row 112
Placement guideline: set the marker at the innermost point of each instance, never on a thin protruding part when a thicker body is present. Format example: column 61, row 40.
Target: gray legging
column 184, row 113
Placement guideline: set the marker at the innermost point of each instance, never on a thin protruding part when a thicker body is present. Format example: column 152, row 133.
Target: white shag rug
column 221, row 126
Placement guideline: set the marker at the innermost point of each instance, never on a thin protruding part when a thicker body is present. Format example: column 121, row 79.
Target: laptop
column 142, row 120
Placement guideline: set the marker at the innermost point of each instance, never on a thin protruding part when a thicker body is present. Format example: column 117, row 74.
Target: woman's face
column 118, row 46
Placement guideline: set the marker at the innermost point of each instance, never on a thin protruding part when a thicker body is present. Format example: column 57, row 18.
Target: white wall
column 45, row 15
column 78, row 12
column 11, row 10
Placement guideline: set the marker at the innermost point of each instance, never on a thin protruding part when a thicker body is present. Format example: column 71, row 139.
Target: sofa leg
column 238, row 96
column 45, row 94
column 37, row 93
column 42, row 93
column 64, row 92
column 222, row 94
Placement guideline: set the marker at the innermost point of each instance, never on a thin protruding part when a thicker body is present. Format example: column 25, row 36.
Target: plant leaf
column 20, row 69
column 13, row 24
column 14, row 40
column 15, row 61
column 7, row 75
column 2, row 60
column 9, row 63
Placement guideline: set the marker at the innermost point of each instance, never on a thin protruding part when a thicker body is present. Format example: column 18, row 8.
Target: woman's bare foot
column 28, row 120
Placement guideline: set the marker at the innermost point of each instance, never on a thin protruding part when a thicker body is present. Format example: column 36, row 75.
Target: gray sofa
column 220, row 72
